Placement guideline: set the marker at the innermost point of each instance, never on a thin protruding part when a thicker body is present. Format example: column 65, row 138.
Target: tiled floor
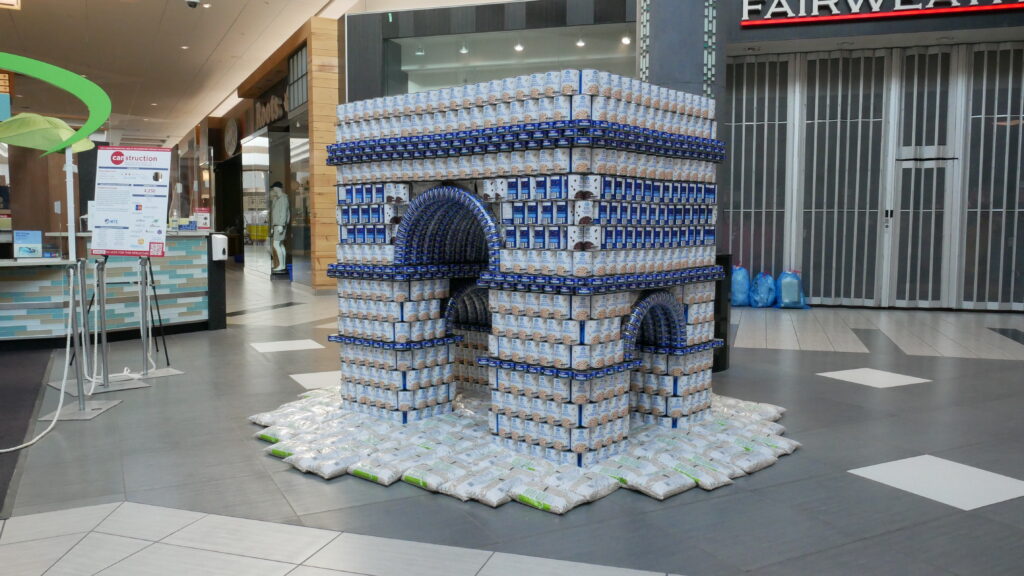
column 185, row 444
column 286, row 345
column 873, row 378
column 916, row 333
column 174, row 543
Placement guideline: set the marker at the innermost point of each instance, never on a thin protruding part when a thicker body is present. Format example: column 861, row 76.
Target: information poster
column 129, row 214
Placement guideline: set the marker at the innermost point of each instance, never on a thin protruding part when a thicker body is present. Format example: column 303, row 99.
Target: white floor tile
column 314, row 380
column 266, row 540
column 94, row 553
column 35, row 557
column 873, row 378
column 59, row 523
column 514, row 565
column 286, row 345
column 147, row 522
column 386, row 557
column 310, row 571
column 164, row 560
column 952, row 483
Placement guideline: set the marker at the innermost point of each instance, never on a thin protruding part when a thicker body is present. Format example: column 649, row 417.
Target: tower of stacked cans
column 576, row 210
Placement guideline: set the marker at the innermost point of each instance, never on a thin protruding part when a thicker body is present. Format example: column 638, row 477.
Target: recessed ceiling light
column 627, row 40
column 19, row 95
column 581, row 43
column 945, row 38
column 518, row 47
column 207, row 5
column 420, row 51
column 152, row 103
column 464, row 49
column 145, row 119
column 184, row 47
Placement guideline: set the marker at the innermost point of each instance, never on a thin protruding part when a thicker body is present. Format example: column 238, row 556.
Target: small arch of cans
column 657, row 319
column 447, row 224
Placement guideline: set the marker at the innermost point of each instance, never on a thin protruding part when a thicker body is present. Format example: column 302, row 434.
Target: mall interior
column 507, row 287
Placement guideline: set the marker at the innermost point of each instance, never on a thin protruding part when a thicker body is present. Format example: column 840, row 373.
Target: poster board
column 129, row 214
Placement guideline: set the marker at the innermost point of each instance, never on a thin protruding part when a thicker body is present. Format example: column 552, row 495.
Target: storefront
column 277, row 135
column 882, row 155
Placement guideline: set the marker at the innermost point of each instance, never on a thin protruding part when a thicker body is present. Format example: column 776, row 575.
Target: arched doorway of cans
column 449, row 233
column 671, row 386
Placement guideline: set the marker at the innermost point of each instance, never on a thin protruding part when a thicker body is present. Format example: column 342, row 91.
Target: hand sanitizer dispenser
column 218, row 247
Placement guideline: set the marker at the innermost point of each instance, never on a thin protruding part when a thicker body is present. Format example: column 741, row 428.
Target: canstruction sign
column 129, row 215
column 784, row 12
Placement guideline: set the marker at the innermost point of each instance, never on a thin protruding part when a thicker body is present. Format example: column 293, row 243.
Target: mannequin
column 280, row 216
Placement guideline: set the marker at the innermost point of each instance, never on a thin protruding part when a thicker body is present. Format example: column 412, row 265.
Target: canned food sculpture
column 550, row 236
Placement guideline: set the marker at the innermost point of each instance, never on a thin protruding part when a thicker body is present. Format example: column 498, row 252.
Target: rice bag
column 704, row 477
column 431, row 475
column 546, row 498
column 663, row 484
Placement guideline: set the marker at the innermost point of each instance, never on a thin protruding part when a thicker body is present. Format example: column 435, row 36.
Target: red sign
column 760, row 13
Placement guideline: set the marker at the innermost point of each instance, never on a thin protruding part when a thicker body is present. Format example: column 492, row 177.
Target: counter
column 33, row 295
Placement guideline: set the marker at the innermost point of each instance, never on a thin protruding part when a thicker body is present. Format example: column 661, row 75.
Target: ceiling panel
column 132, row 48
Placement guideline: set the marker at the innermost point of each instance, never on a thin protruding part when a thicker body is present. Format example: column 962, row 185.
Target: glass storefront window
column 427, row 63
column 297, row 188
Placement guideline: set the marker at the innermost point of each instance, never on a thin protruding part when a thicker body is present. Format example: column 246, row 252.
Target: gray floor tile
column 429, row 518
column 309, row 494
column 255, row 497
column 964, row 544
column 77, row 480
column 384, row 557
column 194, row 463
column 856, row 559
column 513, row 565
column 856, row 506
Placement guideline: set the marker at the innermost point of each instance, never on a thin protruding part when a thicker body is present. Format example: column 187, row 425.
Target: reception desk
column 33, row 295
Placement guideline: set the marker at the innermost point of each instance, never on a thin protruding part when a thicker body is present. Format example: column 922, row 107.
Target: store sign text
column 784, row 12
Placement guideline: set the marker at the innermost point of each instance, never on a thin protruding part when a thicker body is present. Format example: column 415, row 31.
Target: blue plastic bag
column 789, row 291
column 739, row 294
column 762, row 292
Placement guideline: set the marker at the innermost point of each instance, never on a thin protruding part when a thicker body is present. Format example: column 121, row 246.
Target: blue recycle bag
column 740, row 290
column 789, row 291
column 762, row 291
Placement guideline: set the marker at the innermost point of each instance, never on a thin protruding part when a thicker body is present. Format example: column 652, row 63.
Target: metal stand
column 85, row 410
column 145, row 283
column 144, row 312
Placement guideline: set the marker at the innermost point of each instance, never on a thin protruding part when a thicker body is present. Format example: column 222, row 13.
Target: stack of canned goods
column 584, row 211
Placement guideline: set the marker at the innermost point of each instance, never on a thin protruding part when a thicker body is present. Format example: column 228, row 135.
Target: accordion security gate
column 899, row 173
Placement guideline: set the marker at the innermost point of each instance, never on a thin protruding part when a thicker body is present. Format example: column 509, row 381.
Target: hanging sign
column 784, row 12
column 6, row 93
column 129, row 216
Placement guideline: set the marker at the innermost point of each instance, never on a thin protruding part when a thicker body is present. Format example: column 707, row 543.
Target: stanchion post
column 144, row 312
column 79, row 370
column 101, row 297
column 83, row 299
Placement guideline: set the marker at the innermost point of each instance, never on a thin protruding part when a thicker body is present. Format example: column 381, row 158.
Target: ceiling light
column 184, row 47
column 845, row 44
column 152, row 103
column 420, row 51
column 945, row 38
column 19, row 95
column 207, row 5
column 627, row 40
column 518, row 47
column 464, row 49
column 581, row 43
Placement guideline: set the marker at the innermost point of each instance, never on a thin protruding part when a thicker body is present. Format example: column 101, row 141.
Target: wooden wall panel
column 324, row 69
